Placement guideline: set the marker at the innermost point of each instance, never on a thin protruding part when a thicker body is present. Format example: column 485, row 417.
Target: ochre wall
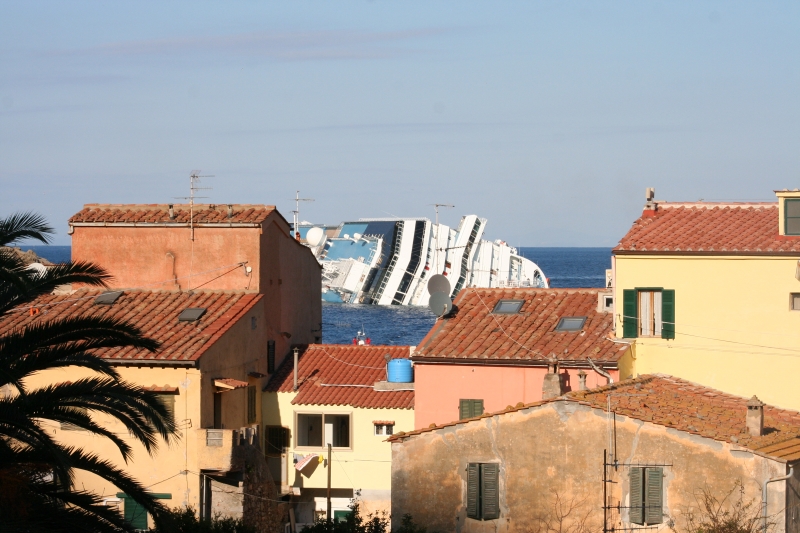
column 556, row 450
column 438, row 388
column 735, row 330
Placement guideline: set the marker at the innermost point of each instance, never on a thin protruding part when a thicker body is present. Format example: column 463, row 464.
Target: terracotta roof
column 474, row 332
column 159, row 214
column 154, row 312
column 708, row 228
column 230, row 383
column 684, row 406
column 342, row 374
column 167, row 389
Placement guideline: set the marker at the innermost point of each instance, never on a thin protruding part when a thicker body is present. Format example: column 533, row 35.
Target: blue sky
column 547, row 118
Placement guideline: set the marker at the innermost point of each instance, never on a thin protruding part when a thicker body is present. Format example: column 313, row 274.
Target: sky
column 547, row 118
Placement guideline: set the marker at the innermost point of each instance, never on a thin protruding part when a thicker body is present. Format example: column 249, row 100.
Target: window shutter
column 668, row 314
column 251, row 404
column 490, row 493
column 477, row 407
column 630, row 324
column 135, row 514
column 473, row 480
column 270, row 357
column 654, row 495
column 464, row 409
column 636, row 503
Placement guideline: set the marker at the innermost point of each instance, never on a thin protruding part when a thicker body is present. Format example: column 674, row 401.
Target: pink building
column 500, row 347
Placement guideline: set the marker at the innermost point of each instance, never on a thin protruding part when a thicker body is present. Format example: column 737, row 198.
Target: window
column 317, row 430
column 270, row 357
column 794, row 301
column 648, row 313
column 384, row 428
column 251, row 404
column 508, row 307
column 135, row 514
column 571, row 323
column 108, row 297
column 483, row 491
column 277, row 439
column 469, row 408
column 791, row 216
column 168, row 400
column 191, row 314
column 646, row 495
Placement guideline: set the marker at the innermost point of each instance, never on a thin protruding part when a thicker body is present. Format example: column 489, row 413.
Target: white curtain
column 657, row 313
column 645, row 313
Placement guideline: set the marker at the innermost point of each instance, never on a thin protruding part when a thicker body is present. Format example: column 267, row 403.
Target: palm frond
column 20, row 226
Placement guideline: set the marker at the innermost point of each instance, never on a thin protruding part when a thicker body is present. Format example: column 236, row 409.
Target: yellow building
column 335, row 394
column 710, row 292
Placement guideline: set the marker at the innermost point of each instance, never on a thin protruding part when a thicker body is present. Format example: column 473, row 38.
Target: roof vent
column 108, row 297
column 571, row 323
column 191, row 314
column 508, row 307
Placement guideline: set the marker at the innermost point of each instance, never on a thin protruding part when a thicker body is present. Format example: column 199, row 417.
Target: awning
column 229, row 384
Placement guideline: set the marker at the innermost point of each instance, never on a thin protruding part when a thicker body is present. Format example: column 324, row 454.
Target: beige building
column 340, row 397
column 627, row 456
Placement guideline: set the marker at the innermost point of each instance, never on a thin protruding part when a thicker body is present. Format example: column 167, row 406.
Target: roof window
column 508, row 307
column 791, row 210
column 108, row 297
column 191, row 314
column 571, row 323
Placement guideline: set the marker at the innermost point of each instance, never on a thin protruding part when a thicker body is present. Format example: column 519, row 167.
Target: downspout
column 764, row 497
column 600, row 371
column 295, row 368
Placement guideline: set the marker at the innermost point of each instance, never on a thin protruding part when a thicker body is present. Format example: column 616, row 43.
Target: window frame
column 792, row 296
column 287, row 440
column 252, row 404
column 495, row 310
column 565, row 330
column 477, row 473
column 384, row 433
column 324, row 446
column 646, row 474
column 786, row 216
column 630, row 316
column 471, row 408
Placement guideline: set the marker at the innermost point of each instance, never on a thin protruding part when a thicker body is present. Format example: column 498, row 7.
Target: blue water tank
column 400, row 371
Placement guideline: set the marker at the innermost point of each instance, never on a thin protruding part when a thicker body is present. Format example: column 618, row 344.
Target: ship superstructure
column 387, row 261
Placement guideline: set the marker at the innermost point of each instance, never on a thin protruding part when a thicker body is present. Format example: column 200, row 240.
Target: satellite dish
column 314, row 236
column 440, row 303
column 38, row 267
column 438, row 283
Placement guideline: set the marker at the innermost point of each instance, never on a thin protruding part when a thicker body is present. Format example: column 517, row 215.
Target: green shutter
column 473, row 482
column 251, row 404
column 270, row 357
column 477, row 407
column 469, row 408
column 490, row 491
column 630, row 312
column 654, row 478
column 135, row 514
column 668, row 314
column 636, row 503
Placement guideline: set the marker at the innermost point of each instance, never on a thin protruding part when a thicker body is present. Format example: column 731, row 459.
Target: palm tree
column 37, row 491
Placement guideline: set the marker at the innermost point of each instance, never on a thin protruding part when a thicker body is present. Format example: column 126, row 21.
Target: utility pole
column 330, row 518
column 296, row 212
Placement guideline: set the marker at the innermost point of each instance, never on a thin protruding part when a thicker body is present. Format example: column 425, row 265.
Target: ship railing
column 515, row 284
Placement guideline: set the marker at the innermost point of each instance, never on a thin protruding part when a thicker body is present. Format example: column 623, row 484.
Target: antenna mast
column 296, row 212
column 436, row 235
column 194, row 179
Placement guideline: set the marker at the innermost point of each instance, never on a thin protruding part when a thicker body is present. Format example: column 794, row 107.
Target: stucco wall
column 735, row 330
column 557, row 449
column 439, row 387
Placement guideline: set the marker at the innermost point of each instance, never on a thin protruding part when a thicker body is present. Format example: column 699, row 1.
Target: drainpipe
column 764, row 497
column 295, row 368
column 600, row 371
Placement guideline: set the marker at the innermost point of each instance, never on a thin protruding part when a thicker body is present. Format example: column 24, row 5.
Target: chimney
column 755, row 417
column 295, row 368
column 171, row 212
column 551, row 388
column 649, row 204
column 582, row 379
column 230, row 210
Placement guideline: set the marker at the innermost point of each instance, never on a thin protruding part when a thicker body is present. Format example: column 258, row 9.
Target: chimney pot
column 171, row 212
column 230, row 210
column 755, row 417
column 582, row 379
column 551, row 387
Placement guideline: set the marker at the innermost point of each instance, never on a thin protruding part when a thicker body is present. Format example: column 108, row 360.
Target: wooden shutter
column 668, row 314
column 477, row 407
column 270, row 357
column 251, row 404
column 464, row 409
column 630, row 312
column 135, row 514
column 654, row 483
column 473, row 490
column 490, row 491
column 636, row 500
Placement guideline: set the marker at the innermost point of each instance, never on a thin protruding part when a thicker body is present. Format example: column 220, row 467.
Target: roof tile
column 159, row 214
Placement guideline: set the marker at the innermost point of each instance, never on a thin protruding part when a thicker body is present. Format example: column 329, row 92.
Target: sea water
column 400, row 325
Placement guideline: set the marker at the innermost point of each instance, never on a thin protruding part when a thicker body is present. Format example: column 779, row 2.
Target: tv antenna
column 194, row 179
column 296, row 212
column 436, row 234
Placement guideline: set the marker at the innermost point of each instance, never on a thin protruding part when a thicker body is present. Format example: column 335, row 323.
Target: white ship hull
column 389, row 261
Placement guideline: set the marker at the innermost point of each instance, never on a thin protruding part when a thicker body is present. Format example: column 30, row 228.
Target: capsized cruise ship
column 387, row 261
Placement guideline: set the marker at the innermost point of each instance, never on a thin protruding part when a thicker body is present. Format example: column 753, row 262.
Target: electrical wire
column 349, row 364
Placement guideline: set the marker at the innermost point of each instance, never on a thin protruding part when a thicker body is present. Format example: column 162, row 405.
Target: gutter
column 764, row 497
column 569, row 363
column 152, row 362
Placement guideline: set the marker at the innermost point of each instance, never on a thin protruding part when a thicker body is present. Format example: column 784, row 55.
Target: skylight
column 108, row 297
column 191, row 314
column 508, row 307
column 571, row 323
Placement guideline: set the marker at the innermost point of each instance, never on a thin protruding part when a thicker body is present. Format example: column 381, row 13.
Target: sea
column 399, row 325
